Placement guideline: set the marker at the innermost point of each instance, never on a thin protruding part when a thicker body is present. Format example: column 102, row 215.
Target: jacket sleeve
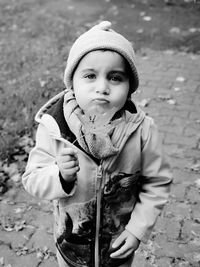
column 41, row 177
column 155, row 185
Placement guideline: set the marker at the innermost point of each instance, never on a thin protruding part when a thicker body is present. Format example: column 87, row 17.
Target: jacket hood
column 47, row 106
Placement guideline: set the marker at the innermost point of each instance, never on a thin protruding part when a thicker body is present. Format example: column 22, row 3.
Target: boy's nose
column 102, row 87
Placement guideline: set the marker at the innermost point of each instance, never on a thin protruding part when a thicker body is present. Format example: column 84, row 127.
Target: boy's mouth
column 101, row 100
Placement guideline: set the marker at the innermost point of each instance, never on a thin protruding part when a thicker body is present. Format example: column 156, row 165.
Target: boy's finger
column 68, row 151
column 71, row 171
column 118, row 253
column 70, row 164
column 119, row 241
column 121, row 253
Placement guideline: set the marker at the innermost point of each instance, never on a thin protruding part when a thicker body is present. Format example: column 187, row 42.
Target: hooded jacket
column 125, row 191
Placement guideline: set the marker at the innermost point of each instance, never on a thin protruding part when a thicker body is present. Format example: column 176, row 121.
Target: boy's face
column 101, row 80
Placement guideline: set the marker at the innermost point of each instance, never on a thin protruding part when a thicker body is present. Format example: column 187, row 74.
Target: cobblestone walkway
column 169, row 92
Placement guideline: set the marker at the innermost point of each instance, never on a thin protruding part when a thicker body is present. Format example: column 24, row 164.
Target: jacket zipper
column 98, row 213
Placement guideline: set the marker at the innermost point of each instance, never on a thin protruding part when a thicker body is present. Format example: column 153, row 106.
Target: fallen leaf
column 29, row 208
column 20, row 225
column 193, row 57
column 11, row 169
column 42, row 83
column 140, row 30
column 193, row 233
column 26, row 141
column 16, row 177
column 176, row 89
column 197, row 182
column 175, row 30
column 45, row 248
column 180, row 79
column 143, row 103
column 43, row 254
column 20, row 157
column 18, row 210
column 114, row 10
column 169, row 52
column 8, row 228
column 21, row 251
column 70, row 7
column 171, row 102
column 193, row 30
column 164, row 97
column 147, row 18
column 2, row 261
column 168, row 99
column 195, row 167
column 25, row 112
column 143, row 13
column 39, row 255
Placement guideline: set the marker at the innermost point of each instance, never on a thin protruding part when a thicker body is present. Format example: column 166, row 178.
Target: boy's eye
column 116, row 78
column 90, row 76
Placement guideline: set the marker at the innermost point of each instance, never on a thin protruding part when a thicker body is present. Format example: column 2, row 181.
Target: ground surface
column 35, row 38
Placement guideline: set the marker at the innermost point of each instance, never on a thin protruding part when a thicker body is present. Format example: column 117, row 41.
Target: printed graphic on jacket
column 76, row 241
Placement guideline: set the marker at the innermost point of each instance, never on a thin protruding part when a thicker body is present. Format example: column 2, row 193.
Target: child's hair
column 101, row 37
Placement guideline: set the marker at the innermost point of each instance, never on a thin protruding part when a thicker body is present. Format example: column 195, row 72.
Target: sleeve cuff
column 67, row 186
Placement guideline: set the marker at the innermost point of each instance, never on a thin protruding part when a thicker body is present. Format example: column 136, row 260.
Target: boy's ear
column 129, row 95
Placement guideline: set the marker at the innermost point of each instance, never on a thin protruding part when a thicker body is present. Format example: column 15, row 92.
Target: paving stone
column 196, row 213
column 50, row 262
column 42, row 239
column 194, row 115
column 140, row 261
column 191, row 230
column 179, row 192
column 181, row 140
column 38, row 218
column 164, row 262
column 193, row 195
column 164, row 248
column 167, row 128
column 169, row 227
column 10, row 257
column 15, row 239
column 181, row 211
column 183, row 175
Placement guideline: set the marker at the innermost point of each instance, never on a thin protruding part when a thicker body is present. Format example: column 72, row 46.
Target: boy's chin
column 99, row 109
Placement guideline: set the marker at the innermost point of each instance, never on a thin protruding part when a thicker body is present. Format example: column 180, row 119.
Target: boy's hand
column 127, row 244
column 68, row 164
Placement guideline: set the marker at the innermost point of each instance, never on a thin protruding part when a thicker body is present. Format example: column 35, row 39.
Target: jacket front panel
column 133, row 188
column 76, row 215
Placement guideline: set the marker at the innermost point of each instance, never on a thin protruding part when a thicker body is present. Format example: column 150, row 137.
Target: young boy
column 97, row 156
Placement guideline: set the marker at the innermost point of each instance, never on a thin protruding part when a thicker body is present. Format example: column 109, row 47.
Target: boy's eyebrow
column 118, row 71
column 121, row 72
column 87, row 69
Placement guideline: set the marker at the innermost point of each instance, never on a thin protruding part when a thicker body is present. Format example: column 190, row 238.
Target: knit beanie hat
column 100, row 36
